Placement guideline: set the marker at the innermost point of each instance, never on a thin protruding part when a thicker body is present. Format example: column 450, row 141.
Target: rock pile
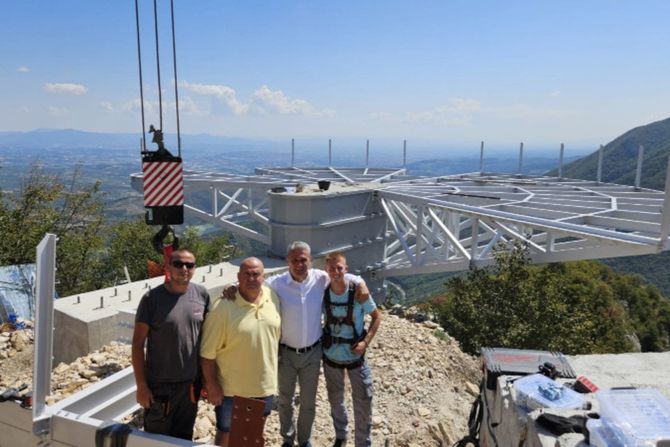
column 13, row 341
column 424, row 384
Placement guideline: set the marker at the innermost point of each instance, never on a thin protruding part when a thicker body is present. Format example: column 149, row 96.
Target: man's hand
column 362, row 292
column 228, row 292
column 360, row 347
column 144, row 396
column 214, row 393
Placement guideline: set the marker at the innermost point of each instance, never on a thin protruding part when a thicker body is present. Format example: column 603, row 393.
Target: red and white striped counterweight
column 163, row 189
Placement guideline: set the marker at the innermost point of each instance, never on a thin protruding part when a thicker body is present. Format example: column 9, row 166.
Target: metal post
column 560, row 162
column 481, row 159
column 638, row 173
column 44, row 326
column 404, row 153
column 599, row 175
column 474, row 241
column 367, row 153
column 520, row 158
column 330, row 153
column 292, row 152
column 665, row 217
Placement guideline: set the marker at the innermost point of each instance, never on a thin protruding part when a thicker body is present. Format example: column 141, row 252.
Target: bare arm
column 228, row 292
column 140, row 335
column 212, row 385
column 362, row 292
column 362, row 345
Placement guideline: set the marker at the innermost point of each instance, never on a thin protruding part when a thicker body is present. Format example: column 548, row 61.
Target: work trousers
column 172, row 411
column 361, row 393
column 303, row 369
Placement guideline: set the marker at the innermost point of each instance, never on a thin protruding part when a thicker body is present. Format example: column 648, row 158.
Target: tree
column 91, row 253
column 45, row 204
column 128, row 245
column 212, row 250
column 570, row 307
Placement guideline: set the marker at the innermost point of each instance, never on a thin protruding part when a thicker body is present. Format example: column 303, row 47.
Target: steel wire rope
column 174, row 64
column 139, row 63
column 158, row 68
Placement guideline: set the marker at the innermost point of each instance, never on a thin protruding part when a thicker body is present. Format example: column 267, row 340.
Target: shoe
column 339, row 442
column 287, row 444
column 306, row 444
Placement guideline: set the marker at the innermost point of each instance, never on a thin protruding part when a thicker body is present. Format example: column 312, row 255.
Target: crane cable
column 161, row 164
column 139, row 63
column 158, row 72
column 158, row 69
column 174, row 65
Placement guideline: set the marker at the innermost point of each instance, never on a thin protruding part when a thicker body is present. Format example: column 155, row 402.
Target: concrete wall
column 82, row 325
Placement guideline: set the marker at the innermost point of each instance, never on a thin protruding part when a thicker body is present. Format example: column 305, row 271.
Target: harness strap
column 349, row 318
column 346, row 320
column 342, row 340
column 355, row 364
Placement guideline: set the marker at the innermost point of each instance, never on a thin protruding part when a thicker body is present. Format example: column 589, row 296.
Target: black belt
column 302, row 350
column 351, row 365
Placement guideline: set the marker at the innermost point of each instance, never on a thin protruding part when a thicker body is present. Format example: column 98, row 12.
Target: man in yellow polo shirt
column 238, row 351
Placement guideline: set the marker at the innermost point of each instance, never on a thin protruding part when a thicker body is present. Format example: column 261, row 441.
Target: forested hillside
column 572, row 307
column 620, row 158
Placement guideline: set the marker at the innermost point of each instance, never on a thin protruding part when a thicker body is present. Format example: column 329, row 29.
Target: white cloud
column 106, row 105
column 457, row 112
column 516, row 111
column 188, row 106
column 554, row 93
column 326, row 113
column 134, row 106
column 73, row 89
column 263, row 101
column 57, row 111
column 275, row 101
column 381, row 116
column 23, row 69
column 222, row 92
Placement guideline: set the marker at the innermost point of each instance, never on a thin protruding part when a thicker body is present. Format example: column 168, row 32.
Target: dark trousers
column 173, row 411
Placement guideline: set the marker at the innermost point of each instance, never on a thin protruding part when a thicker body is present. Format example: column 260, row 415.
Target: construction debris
column 423, row 384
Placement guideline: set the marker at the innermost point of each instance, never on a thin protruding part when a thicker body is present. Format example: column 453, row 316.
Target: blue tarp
column 17, row 291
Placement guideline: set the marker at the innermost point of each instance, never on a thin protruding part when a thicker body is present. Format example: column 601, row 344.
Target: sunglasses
column 180, row 264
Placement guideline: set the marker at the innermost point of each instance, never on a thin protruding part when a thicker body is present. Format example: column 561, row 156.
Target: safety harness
column 348, row 319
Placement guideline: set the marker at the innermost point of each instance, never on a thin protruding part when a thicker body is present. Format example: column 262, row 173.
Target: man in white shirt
column 300, row 292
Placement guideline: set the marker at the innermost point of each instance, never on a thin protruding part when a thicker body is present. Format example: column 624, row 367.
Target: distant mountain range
column 75, row 139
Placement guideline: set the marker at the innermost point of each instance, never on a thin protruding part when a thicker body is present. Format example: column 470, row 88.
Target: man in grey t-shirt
column 169, row 319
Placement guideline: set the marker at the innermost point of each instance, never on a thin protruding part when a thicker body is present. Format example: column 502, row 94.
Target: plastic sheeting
column 17, row 291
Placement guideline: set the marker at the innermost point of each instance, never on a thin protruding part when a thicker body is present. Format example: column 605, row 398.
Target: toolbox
column 521, row 362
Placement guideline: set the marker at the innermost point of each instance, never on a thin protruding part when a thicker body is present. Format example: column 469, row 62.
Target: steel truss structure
column 233, row 199
column 452, row 223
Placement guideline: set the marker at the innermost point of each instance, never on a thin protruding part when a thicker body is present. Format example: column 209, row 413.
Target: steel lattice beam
column 454, row 222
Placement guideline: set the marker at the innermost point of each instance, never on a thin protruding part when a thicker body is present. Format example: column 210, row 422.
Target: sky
column 579, row 72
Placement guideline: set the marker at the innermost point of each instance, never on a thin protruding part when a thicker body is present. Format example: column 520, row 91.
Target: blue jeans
column 224, row 412
column 361, row 393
